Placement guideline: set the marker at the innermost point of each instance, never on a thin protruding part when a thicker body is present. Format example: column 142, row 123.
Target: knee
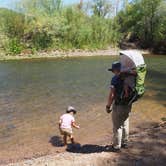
column 71, row 136
column 116, row 129
column 64, row 136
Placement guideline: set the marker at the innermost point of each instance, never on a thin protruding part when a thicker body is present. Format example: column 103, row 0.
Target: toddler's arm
column 60, row 122
column 75, row 126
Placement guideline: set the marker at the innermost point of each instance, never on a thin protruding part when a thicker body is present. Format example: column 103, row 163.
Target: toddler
column 66, row 123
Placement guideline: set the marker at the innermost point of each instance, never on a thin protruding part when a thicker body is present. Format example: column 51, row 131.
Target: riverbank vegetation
column 35, row 25
column 144, row 22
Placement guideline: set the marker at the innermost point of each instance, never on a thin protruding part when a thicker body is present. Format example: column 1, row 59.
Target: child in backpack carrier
column 129, row 77
column 133, row 72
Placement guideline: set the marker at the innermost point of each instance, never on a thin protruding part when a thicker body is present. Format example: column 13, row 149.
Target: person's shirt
column 117, row 83
column 66, row 121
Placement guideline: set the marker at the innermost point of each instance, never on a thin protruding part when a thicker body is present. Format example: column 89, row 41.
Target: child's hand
column 75, row 126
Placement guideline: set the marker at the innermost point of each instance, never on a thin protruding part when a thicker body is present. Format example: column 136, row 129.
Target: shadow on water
column 56, row 141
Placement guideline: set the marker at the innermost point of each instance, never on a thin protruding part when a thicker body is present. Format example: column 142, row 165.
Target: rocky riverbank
column 147, row 147
column 27, row 54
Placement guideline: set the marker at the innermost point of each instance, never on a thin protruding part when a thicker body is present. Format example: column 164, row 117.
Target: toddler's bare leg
column 65, row 139
column 129, row 82
column 72, row 139
column 126, row 94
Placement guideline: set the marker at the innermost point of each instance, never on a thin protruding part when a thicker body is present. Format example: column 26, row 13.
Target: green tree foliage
column 41, row 7
column 46, row 24
column 145, row 21
column 160, row 28
column 14, row 46
column 12, row 29
column 41, row 39
column 13, row 23
column 101, row 8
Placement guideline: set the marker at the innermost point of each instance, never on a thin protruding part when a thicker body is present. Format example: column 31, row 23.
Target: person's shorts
column 67, row 132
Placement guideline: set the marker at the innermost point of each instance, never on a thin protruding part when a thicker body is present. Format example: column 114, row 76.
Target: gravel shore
column 64, row 54
column 147, row 147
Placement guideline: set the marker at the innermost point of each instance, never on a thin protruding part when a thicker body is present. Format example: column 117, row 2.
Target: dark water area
column 34, row 93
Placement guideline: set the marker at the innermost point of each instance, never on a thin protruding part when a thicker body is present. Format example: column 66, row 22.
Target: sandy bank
column 146, row 148
column 65, row 54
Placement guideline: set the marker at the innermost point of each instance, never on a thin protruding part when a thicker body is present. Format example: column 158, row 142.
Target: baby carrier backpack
column 132, row 59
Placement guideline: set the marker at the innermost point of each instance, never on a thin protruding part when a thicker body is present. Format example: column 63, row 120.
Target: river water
column 34, row 93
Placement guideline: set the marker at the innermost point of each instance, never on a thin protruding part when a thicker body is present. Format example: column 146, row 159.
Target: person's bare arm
column 75, row 126
column 110, row 100
column 111, row 96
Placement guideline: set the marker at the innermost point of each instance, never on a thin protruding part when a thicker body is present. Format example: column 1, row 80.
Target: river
column 34, row 93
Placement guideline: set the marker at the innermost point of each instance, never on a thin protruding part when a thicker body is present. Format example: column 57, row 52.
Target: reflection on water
column 33, row 93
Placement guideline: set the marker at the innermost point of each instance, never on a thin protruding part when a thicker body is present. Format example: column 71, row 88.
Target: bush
column 48, row 25
column 41, row 39
column 15, row 46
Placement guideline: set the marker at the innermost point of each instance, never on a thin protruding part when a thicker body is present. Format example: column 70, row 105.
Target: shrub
column 41, row 39
column 15, row 46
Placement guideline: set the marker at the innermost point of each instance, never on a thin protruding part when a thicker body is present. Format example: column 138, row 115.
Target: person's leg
column 65, row 139
column 117, row 137
column 125, row 135
column 117, row 128
column 126, row 91
column 72, row 139
column 70, row 135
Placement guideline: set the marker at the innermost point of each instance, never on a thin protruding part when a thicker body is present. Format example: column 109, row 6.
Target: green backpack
column 140, row 80
column 138, row 91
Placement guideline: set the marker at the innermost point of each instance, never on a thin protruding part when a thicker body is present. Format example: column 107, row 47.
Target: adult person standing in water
column 120, row 112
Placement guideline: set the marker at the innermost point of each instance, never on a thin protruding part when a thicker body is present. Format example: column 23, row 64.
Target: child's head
column 71, row 109
column 116, row 67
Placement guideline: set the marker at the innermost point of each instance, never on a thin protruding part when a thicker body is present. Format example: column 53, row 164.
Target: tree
column 44, row 7
column 160, row 28
column 141, row 19
column 101, row 8
column 80, row 5
column 14, row 24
